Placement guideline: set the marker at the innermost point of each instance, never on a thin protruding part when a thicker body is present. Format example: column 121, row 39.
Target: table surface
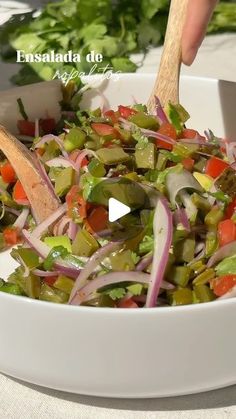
column 22, row 400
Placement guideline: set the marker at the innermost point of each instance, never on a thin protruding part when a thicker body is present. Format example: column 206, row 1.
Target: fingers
column 198, row 16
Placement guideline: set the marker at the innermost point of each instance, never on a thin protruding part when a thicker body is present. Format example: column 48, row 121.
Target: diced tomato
column 105, row 129
column 226, row 232
column 169, row 130
column 11, row 236
column 126, row 112
column 98, row 219
column 215, row 166
column 223, row 284
column 231, row 208
column 82, row 207
column 84, row 162
column 72, row 196
column 129, row 303
column 188, row 163
column 112, row 115
column 8, row 173
column 75, row 199
column 40, row 151
column 19, row 194
column 50, row 280
column 48, row 125
column 26, row 127
column 73, row 156
column 190, row 134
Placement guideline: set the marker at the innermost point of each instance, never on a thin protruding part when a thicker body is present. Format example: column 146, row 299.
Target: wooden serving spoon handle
column 42, row 201
column 166, row 86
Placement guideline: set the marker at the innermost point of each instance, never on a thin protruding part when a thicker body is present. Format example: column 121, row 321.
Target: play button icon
column 117, row 210
column 124, row 206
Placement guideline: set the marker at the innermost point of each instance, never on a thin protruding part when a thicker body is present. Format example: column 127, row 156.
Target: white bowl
column 121, row 353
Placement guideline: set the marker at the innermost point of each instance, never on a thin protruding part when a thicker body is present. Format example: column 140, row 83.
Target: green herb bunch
column 115, row 29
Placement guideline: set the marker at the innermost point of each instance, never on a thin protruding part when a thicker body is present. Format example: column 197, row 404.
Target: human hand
column 198, row 16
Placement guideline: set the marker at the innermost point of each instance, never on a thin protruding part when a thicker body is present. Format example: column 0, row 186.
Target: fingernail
column 189, row 56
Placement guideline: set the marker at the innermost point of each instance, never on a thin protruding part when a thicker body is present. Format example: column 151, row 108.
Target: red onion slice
column 231, row 151
column 144, row 263
column 230, row 294
column 223, row 252
column 36, row 129
column 21, row 220
column 61, row 162
column 72, row 230
column 175, row 182
column 50, row 137
column 160, row 111
column 108, row 279
column 81, row 157
column 43, row 250
column 190, row 208
column 61, row 226
column 180, row 217
column 46, row 274
column 163, row 233
column 42, row 227
column 45, row 177
column 12, row 211
column 147, row 132
column 93, row 262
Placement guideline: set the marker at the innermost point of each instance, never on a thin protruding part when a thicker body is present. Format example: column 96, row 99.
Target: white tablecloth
column 20, row 400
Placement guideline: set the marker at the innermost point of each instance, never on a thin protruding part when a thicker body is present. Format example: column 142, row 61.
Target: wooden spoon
column 42, row 201
column 166, row 86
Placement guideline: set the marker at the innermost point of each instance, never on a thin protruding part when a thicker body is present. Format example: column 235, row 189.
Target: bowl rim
column 103, row 310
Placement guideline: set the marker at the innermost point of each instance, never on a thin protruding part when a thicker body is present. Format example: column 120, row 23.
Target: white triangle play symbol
column 117, row 209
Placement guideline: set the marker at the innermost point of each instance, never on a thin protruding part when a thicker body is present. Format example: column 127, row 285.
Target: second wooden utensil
column 167, row 82
column 42, row 201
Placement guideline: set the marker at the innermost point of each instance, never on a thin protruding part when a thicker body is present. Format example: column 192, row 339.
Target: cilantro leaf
column 135, row 289
column 116, row 293
column 151, row 7
column 221, row 196
column 123, row 64
column 55, row 253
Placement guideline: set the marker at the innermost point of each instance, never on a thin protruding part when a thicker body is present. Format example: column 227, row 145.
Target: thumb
column 199, row 13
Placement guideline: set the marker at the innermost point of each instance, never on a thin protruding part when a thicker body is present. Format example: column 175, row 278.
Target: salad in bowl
column 175, row 246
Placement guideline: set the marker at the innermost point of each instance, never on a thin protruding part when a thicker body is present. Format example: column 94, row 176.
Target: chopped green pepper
column 179, row 275
column 84, row 244
column 184, row 150
column 63, row 181
column 146, row 157
column 184, row 250
column 59, row 241
column 226, row 182
column 64, row 283
column 197, row 267
column 52, row 295
column 211, row 242
column 29, row 257
column 11, row 289
column 200, row 202
column 213, row 217
column 181, row 296
column 96, row 168
column 143, row 120
column 75, row 139
column 112, row 156
column 203, row 293
column 122, row 261
column 32, row 286
column 204, row 277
